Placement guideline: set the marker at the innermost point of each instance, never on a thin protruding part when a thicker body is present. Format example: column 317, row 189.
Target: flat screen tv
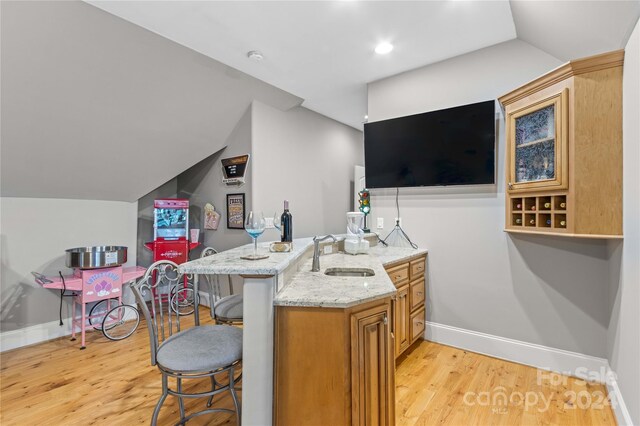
column 453, row 146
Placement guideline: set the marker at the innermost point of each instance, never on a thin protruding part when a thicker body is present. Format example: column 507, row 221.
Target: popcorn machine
column 171, row 231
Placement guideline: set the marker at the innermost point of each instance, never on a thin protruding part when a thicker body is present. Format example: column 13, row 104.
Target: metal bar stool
column 192, row 353
column 224, row 309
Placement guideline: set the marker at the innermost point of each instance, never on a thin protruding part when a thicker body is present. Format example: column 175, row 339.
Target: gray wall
column 623, row 337
column 99, row 108
column 546, row 290
column 308, row 159
column 202, row 184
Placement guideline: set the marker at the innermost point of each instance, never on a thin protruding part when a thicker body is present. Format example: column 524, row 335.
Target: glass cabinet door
column 537, row 141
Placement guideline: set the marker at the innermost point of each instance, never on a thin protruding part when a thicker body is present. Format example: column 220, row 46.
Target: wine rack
column 543, row 212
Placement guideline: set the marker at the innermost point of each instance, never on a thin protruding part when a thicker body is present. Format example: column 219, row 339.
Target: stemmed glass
column 254, row 225
column 276, row 221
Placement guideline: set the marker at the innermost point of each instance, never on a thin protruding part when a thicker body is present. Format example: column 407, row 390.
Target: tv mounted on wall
column 453, row 146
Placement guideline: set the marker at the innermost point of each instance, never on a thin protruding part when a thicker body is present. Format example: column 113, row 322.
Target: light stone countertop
column 315, row 289
column 229, row 262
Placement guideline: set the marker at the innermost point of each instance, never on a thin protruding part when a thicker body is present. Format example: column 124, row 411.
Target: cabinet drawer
column 417, row 293
column 398, row 274
column 417, row 325
column 417, row 267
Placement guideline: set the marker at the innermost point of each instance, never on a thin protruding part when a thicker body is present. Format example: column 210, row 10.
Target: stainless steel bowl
column 96, row 257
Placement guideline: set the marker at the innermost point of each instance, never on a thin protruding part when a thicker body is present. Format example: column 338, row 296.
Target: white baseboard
column 34, row 334
column 542, row 357
column 617, row 402
column 538, row 356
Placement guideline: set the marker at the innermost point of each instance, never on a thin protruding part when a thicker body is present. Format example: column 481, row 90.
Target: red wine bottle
column 547, row 205
column 286, row 224
column 563, row 205
column 563, row 223
column 518, row 206
column 518, row 221
column 532, row 222
column 549, row 222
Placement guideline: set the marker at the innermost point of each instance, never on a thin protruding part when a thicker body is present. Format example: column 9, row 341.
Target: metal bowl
column 96, row 257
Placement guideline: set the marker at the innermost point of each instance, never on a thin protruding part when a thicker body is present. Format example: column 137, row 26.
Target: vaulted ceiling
column 323, row 51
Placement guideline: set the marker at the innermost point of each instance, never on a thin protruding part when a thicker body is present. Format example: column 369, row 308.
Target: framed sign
column 234, row 169
column 235, row 211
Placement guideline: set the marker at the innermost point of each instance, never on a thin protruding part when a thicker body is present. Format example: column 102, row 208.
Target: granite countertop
column 315, row 289
column 229, row 262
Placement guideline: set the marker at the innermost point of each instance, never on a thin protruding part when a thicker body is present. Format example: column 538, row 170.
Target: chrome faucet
column 315, row 266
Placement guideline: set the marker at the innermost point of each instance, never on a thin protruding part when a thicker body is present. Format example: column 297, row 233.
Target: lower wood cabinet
column 335, row 366
column 401, row 320
column 409, row 304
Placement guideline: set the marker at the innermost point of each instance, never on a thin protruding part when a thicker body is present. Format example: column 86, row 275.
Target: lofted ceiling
column 323, row 51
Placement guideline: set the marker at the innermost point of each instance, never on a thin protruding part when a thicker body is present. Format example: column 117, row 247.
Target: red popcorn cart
column 171, row 230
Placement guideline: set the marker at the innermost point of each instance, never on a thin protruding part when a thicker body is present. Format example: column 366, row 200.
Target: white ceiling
column 322, row 51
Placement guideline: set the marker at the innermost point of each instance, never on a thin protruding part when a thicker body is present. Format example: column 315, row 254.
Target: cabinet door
column 538, row 144
column 401, row 319
column 373, row 368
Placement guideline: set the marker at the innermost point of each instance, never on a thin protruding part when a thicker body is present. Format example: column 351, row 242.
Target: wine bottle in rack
column 563, row 205
column 533, row 208
column 549, row 222
column 547, row 205
column 518, row 206
column 563, row 223
column 518, row 221
column 532, row 222
column 286, row 224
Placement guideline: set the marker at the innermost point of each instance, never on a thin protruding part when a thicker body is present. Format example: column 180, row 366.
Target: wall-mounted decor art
column 235, row 211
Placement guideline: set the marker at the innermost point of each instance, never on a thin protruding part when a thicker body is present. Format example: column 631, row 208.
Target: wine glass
column 254, row 225
column 276, row 221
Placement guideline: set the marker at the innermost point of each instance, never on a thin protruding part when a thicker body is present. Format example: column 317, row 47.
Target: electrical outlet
column 381, row 223
column 328, row 249
column 268, row 223
column 398, row 220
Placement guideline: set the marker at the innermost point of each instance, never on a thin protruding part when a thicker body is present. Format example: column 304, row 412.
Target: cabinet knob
column 510, row 185
column 419, row 293
column 385, row 321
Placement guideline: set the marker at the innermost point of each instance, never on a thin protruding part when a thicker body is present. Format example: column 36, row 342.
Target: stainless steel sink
column 349, row 272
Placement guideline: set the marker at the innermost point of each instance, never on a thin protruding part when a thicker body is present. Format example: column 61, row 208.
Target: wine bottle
column 563, row 205
column 563, row 223
column 286, row 224
column 549, row 222
column 518, row 206
column 518, row 221
column 532, row 222
column 533, row 208
column 547, row 205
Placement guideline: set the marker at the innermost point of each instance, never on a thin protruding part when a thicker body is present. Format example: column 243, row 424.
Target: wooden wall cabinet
column 564, row 150
column 409, row 304
column 335, row 366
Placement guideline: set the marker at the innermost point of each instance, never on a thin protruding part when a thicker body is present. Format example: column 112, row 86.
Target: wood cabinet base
column 335, row 366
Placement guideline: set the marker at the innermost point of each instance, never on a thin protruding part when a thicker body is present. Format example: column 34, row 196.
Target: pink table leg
column 73, row 319
column 83, row 325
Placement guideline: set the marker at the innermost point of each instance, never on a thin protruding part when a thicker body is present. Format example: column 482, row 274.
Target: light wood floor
column 55, row 383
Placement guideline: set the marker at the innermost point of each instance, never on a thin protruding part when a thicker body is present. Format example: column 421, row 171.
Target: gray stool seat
column 201, row 349
column 229, row 308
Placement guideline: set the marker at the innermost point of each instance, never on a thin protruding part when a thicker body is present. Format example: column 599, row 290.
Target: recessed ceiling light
column 384, row 48
column 254, row 55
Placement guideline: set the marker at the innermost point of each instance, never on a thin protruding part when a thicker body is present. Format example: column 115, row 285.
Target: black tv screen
column 454, row 146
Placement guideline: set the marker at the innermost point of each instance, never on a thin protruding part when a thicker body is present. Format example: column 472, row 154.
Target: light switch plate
column 380, row 222
column 328, row 249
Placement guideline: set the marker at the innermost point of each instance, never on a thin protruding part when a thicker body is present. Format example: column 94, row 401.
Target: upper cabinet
column 564, row 150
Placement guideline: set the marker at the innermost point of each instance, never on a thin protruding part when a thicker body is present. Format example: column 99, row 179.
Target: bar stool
column 224, row 309
column 186, row 353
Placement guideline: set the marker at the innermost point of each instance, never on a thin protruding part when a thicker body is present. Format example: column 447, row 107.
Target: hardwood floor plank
column 113, row 383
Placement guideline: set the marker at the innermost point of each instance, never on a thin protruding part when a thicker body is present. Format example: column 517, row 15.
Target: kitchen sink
column 349, row 272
